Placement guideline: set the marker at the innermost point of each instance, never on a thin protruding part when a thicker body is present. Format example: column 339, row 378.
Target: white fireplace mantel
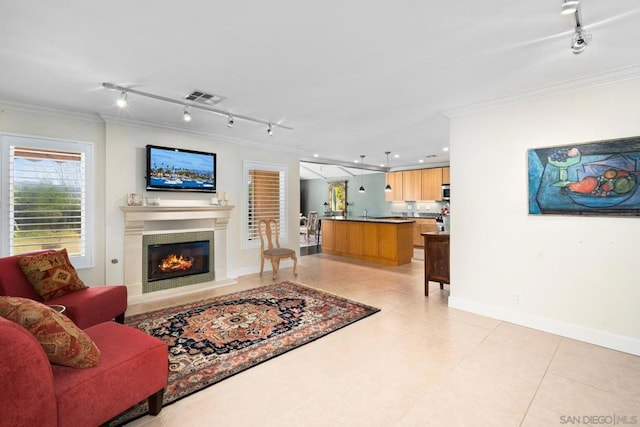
column 141, row 220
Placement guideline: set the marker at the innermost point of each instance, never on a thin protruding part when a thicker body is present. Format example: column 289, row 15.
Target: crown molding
column 49, row 111
column 594, row 80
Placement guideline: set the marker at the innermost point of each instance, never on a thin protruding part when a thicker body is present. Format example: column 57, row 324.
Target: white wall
column 120, row 169
column 125, row 173
column 47, row 123
column 575, row 276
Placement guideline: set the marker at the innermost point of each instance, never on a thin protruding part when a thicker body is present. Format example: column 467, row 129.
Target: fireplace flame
column 175, row 262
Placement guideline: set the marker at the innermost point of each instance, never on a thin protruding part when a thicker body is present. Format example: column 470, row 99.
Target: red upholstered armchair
column 34, row 392
column 86, row 307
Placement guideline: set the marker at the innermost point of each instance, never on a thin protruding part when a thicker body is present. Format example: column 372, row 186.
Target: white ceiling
column 351, row 77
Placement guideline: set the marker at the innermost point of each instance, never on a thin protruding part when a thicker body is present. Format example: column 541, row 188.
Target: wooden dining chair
column 270, row 247
column 312, row 225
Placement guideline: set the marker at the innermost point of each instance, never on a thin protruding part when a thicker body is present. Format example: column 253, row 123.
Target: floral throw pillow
column 62, row 341
column 51, row 274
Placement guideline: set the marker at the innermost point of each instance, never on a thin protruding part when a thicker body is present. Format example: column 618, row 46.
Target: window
column 45, row 197
column 265, row 197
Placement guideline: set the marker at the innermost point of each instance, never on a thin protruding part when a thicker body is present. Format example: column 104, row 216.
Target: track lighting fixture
column 269, row 130
column 579, row 42
column 190, row 104
column 569, row 6
column 388, row 187
column 122, row 101
column 186, row 116
column 361, row 189
column 580, row 38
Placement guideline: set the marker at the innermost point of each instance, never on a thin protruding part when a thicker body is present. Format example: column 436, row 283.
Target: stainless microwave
column 446, row 192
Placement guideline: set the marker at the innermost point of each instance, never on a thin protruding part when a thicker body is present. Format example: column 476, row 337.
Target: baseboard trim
column 593, row 336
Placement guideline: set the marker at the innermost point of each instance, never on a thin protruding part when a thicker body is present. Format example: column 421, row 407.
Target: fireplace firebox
column 171, row 260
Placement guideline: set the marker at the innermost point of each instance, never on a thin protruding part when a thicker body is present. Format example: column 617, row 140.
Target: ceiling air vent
column 204, row 98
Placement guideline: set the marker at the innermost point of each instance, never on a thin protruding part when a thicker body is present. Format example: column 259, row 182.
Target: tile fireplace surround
column 141, row 220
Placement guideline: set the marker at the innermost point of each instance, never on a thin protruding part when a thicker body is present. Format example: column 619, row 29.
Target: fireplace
column 172, row 260
column 169, row 260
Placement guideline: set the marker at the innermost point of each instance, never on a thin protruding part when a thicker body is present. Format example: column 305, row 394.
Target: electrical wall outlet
column 517, row 297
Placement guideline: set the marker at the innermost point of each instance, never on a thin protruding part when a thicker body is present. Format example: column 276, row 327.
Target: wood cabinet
column 342, row 236
column 394, row 179
column 446, row 179
column 422, row 226
column 370, row 239
column 328, row 235
column 432, row 184
column 388, row 243
column 436, row 259
column 412, row 185
column 356, row 234
column 416, row 185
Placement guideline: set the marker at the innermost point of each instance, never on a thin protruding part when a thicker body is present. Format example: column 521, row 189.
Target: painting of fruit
column 595, row 178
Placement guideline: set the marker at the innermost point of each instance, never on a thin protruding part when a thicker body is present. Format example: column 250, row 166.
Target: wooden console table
column 436, row 259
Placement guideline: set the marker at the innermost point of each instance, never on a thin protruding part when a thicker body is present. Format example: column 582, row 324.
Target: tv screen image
column 175, row 169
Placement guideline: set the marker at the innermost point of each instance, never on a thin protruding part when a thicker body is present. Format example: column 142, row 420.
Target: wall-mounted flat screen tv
column 175, row 169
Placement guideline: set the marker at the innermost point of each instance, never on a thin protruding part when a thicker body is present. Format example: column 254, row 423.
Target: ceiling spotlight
column 579, row 41
column 186, row 116
column 388, row 187
column 269, row 130
column 122, row 101
column 230, row 121
column 361, row 189
column 569, row 6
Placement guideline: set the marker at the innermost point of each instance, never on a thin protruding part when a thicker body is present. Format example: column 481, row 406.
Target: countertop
column 385, row 220
column 435, row 233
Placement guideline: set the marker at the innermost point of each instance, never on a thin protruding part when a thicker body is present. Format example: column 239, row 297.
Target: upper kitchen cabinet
column 394, row 179
column 445, row 176
column 432, row 183
column 412, row 185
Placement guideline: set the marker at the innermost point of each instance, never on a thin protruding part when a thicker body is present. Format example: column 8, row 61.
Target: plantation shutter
column 266, row 199
column 47, row 201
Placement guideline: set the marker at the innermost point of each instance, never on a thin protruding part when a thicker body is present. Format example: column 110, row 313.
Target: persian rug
column 213, row 339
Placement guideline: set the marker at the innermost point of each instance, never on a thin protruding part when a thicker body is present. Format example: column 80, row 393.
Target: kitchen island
column 380, row 240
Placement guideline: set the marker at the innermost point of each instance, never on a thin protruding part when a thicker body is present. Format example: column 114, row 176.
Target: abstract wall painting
column 597, row 178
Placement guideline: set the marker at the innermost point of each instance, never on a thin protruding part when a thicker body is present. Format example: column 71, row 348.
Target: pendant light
column 361, row 189
column 387, row 189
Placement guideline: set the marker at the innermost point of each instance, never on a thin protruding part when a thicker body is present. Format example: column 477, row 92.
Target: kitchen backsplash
column 415, row 209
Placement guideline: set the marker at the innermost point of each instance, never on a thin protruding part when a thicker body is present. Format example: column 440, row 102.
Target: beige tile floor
column 415, row 363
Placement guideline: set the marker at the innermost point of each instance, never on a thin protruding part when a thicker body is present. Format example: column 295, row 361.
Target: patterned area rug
column 216, row 338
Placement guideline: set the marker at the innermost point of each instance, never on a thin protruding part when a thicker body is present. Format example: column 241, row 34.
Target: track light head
column 230, row 121
column 270, row 130
column 186, row 116
column 579, row 41
column 122, row 101
column 569, row 7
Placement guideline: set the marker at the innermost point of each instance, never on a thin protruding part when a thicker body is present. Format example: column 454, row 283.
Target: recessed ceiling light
column 396, row 156
column 421, row 161
column 316, row 155
column 445, row 149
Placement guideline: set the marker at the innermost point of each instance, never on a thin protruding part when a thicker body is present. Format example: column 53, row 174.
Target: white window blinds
column 47, row 200
column 44, row 191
